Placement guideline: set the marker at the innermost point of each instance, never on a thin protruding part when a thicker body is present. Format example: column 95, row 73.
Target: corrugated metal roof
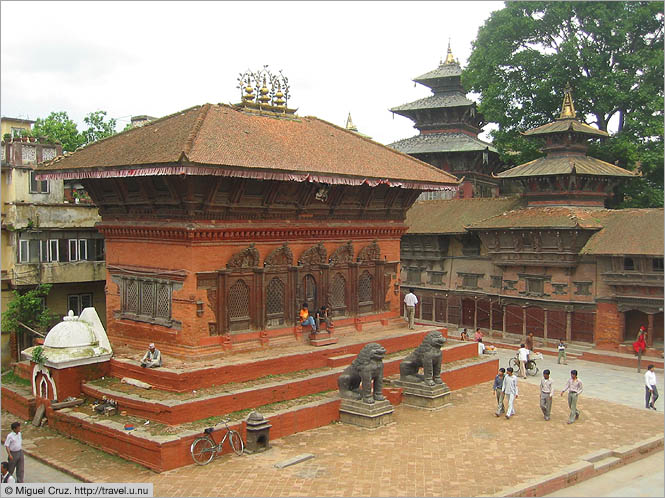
column 224, row 137
column 441, row 142
column 563, row 125
column 628, row 232
column 438, row 101
column 565, row 165
column 451, row 216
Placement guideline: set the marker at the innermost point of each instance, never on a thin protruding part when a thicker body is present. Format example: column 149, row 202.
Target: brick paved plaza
column 461, row 450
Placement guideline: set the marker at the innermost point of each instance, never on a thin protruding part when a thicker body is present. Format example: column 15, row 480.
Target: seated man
column 464, row 336
column 481, row 347
column 152, row 358
column 306, row 318
column 323, row 315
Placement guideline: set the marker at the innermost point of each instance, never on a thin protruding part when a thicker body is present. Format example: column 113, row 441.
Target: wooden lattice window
column 147, row 300
column 238, row 300
column 275, row 297
column 338, row 291
column 365, row 287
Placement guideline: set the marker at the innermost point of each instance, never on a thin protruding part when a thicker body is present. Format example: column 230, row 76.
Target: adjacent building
column 552, row 261
column 45, row 238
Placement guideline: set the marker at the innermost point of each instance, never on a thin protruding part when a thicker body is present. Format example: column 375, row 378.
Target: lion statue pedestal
column 425, row 390
column 360, row 387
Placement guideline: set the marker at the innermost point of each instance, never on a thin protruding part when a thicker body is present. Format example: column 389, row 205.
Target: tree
column 28, row 309
column 58, row 127
column 612, row 55
column 97, row 127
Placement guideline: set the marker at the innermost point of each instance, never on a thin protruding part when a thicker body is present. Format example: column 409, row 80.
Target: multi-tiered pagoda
column 449, row 125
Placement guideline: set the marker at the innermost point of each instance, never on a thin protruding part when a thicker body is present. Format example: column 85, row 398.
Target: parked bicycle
column 530, row 366
column 204, row 448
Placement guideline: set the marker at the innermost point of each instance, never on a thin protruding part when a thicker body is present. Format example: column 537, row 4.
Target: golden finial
column 449, row 58
column 567, row 108
column 350, row 125
column 264, row 98
column 279, row 96
column 249, row 92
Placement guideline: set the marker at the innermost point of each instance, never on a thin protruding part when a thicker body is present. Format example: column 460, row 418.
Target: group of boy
column 321, row 315
column 505, row 388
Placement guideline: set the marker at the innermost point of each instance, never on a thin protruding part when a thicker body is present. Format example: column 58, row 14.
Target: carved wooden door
column 309, row 292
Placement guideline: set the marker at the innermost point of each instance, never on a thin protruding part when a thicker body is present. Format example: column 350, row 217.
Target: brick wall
column 609, row 325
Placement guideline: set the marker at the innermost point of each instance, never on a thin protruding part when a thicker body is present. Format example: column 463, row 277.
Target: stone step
column 606, row 464
column 345, row 359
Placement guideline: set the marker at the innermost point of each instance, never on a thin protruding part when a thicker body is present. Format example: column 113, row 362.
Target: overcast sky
column 156, row 58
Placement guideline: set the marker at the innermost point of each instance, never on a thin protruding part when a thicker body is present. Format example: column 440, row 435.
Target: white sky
column 156, row 58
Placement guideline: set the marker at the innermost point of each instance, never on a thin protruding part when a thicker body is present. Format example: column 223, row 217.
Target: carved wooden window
column 275, row 297
column 147, row 300
column 413, row 274
column 535, row 286
column 657, row 264
column 582, row 288
column 338, row 291
column 628, row 264
column 365, row 287
column 496, row 282
column 238, row 300
column 470, row 281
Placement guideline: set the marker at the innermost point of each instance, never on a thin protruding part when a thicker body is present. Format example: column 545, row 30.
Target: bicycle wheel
column 531, row 368
column 236, row 442
column 515, row 364
column 202, row 450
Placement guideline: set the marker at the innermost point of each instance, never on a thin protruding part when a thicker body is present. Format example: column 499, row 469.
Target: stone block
column 420, row 395
column 369, row 416
column 322, row 339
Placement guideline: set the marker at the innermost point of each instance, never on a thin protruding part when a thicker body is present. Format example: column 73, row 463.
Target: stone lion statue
column 427, row 356
column 366, row 369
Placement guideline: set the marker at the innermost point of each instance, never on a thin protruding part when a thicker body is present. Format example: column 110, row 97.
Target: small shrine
column 75, row 349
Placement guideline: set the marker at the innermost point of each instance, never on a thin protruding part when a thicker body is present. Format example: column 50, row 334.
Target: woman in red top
column 640, row 344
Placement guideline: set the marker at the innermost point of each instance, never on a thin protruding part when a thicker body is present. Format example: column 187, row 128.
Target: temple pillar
column 523, row 323
column 546, row 312
column 569, row 325
column 475, row 312
column 650, row 330
column 447, row 301
column 503, row 325
column 491, row 328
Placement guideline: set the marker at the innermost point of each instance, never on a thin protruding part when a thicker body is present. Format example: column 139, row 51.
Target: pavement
column 423, row 454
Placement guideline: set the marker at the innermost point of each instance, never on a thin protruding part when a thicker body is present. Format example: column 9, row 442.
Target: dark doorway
column 309, row 292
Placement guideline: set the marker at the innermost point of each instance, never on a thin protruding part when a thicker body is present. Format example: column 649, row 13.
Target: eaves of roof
column 565, row 164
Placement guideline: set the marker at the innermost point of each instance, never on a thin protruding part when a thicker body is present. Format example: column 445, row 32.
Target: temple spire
column 349, row 124
column 449, row 58
column 567, row 107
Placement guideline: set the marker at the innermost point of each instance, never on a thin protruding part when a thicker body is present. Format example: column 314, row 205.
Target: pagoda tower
column 566, row 176
column 449, row 125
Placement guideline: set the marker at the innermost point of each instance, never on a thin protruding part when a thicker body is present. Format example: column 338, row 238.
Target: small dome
column 255, row 416
column 70, row 333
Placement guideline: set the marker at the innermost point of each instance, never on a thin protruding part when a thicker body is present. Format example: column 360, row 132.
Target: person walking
column 410, row 300
column 574, row 388
column 509, row 389
column 14, row 447
column 562, row 353
column 651, row 389
column 498, row 391
column 529, row 341
column 546, row 393
column 523, row 357
column 7, row 478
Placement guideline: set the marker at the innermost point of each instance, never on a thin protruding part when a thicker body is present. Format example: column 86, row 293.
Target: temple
column 449, row 125
column 221, row 220
column 551, row 261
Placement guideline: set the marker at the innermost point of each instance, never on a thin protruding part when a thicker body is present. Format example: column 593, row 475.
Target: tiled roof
column 452, row 99
column 565, row 165
column 443, row 71
column 629, row 232
column 451, row 216
column 562, row 125
column 440, row 142
column 224, row 138
column 544, row 217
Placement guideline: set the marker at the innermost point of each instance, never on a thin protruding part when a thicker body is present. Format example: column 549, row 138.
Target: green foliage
column 27, row 308
column 97, row 127
column 11, row 378
column 38, row 355
column 612, row 55
column 59, row 127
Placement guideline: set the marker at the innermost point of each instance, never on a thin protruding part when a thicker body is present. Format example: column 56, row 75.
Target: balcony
column 633, row 278
column 58, row 273
column 28, row 215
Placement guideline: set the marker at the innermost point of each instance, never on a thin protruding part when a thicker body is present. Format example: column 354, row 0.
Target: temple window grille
column 496, row 282
column 239, row 300
column 338, row 291
column 657, row 264
column 470, row 281
column 535, row 286
column 365, row 287
column 628, row 264
column 147, row 300
column 275, row 297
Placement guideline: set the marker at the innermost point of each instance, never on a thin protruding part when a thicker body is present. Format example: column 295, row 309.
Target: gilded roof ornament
column 449, row 58
column 349, row 124
column 567, row 107
column 262, row 91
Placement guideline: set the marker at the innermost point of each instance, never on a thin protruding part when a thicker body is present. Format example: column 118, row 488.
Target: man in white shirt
column 7, row 478
column 14, row 447
column 509, row 388
column 651, row 389
column 410, row 300
column 523, row 357
column 481, row 347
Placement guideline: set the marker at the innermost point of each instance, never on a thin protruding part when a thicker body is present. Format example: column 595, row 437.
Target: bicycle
column 204, row 448
column 530, row 366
